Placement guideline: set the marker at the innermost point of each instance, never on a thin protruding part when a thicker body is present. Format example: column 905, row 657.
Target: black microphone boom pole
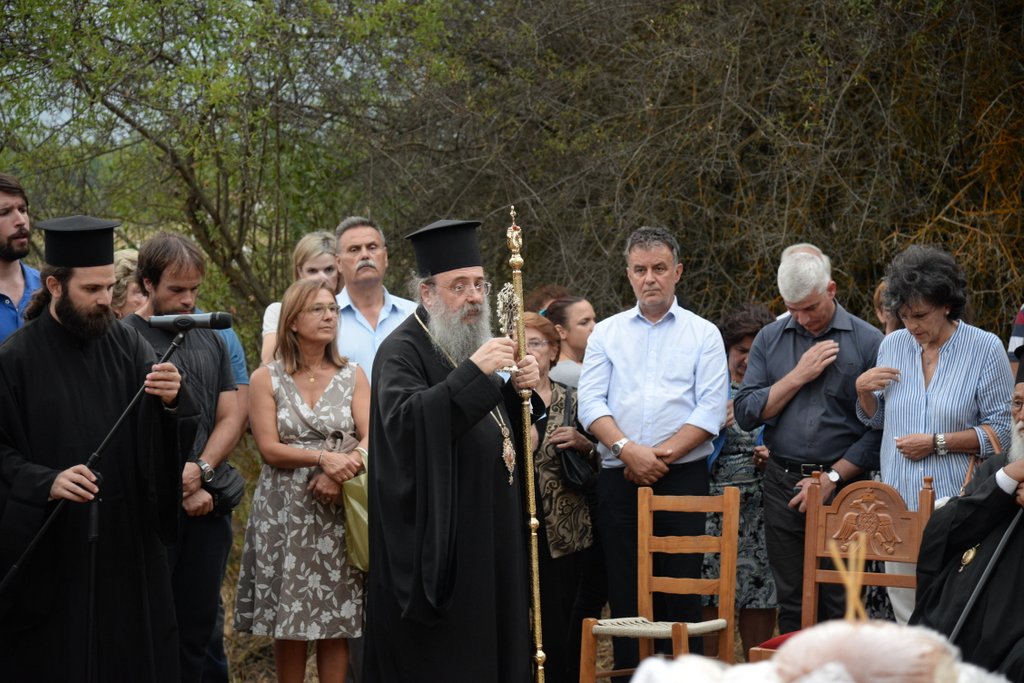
column 5, row 585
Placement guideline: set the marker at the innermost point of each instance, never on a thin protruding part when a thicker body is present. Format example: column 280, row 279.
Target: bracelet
column 320, row 458
column 362, row 452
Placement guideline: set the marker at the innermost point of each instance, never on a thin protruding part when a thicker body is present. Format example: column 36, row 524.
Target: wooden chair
column 879, row 514
column 643, row 627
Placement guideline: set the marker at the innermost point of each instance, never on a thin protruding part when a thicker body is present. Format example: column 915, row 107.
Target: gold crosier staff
column 515, row 245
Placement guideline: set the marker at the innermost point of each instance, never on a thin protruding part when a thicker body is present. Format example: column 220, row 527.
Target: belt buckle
column 808, row 469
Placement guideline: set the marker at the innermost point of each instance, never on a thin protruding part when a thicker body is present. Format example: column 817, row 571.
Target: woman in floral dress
column 738, row 461
column 309, row 410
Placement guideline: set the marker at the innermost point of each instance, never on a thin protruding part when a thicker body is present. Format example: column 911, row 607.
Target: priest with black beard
column 448, row 586
column 959, row 543
column 65, row 378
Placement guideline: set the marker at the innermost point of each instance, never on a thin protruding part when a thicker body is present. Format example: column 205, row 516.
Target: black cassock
column 448, row 596
column 58, row 398
column 993, row 635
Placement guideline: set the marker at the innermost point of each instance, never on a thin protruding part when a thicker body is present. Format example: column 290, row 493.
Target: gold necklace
column 312, row 371
column 508, row 451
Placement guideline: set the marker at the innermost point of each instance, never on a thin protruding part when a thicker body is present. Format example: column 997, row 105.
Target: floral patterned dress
column 294, row 583
column 755, row 587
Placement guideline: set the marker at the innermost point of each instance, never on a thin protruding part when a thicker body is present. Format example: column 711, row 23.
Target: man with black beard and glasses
column 957, row 547
column 17, row 281
column 65, row 378
column 447, row 595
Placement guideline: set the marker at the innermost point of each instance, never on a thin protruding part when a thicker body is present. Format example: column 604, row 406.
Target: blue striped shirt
column 971, row 386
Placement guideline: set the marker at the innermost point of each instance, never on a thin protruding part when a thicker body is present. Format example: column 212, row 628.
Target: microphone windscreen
column 220, row 320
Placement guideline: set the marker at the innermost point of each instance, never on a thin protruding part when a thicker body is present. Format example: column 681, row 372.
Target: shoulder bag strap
column 997, row 449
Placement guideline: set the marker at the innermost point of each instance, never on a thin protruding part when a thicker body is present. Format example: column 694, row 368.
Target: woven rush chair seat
column 643, row 627
column 638, row 627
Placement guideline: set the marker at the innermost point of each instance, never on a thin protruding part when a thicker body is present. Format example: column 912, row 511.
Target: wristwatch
column 205, row 471
column 618, row 446
column 940, row 444
column 834, row 477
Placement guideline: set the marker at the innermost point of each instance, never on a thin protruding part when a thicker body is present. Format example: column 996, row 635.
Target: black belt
column 804, row 469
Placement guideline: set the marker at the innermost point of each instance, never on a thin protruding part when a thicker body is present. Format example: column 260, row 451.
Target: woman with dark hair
column 938, row 384
column 574, row 320
column 309, row 410
column 738, row 460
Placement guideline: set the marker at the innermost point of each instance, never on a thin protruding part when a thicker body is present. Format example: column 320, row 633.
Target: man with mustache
column 65, row 379
column 958, row 545
column 654, row 389
column 17, row 281
column 368, row 312
column 447, row 590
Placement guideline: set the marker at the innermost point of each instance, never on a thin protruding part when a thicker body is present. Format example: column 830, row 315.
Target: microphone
column 188, row 321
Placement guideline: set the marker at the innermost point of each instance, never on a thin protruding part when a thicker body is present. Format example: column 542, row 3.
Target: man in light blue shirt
column 17, row 281
column 654, row 389
column 368, row 312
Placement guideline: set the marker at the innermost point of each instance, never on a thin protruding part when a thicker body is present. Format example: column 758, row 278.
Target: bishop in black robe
column 59, row 396
column 447, row 596
column 958, row 544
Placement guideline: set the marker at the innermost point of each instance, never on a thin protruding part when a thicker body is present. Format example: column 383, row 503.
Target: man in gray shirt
column 800, row 386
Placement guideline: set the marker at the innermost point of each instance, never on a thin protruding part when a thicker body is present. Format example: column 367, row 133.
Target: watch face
column 833, row 476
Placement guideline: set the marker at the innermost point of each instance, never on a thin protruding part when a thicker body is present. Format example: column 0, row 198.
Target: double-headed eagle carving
column 867, row 516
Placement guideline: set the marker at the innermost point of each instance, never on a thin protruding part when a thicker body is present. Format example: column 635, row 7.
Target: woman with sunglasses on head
column 309, row 410
column 314, row 257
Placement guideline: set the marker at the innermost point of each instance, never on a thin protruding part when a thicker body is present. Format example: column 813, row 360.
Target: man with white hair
column 958, row 546
column 800, row 386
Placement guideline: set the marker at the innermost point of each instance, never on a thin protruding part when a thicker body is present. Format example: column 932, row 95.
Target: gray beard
column 1016, row 444
column 452, row 336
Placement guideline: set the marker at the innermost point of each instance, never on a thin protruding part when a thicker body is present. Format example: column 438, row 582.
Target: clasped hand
column 645, row 465
column 164, row 381
column 342, row 466
column 325, row 489
column 569, row 437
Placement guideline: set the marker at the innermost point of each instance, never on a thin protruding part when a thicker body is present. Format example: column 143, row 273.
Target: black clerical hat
column 79, row 241
column 1020, row 366
column 446, row 245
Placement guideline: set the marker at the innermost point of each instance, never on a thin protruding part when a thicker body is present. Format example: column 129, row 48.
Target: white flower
column 289, row 562
column 325, row 545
